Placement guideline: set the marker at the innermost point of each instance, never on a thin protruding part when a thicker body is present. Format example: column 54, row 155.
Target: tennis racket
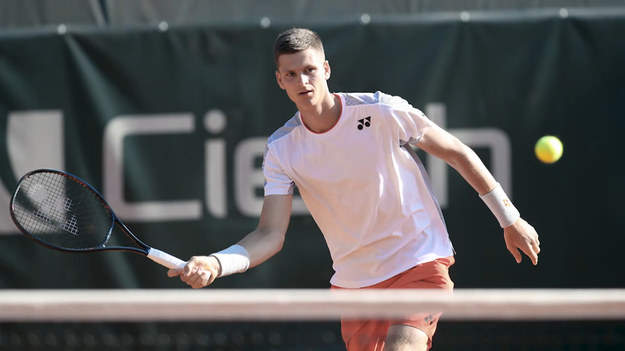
column 62, row 212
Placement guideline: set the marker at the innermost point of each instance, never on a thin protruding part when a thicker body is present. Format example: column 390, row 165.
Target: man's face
column 303, row 75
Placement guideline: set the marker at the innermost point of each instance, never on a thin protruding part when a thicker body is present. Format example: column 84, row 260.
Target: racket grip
column 165, row 259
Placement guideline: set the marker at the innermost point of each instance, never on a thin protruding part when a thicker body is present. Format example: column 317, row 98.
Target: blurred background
column 165, row 108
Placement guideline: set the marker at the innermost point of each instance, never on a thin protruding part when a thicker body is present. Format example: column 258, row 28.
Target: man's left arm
column 518, row 234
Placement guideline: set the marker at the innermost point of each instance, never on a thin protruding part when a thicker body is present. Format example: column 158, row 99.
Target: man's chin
column 303, row 98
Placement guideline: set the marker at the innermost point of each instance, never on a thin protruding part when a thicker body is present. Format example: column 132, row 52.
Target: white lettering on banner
column 248, row 177
column 35, row 140
column 496, row 140
column 215, row 165
column 114, row 134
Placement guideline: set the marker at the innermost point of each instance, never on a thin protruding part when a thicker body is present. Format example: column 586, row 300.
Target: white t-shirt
column 364, row 186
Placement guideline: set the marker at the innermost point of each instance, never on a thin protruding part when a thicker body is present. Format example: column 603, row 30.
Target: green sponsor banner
column 170, row 125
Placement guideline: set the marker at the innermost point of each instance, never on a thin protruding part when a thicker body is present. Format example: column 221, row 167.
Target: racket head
column 61, row 211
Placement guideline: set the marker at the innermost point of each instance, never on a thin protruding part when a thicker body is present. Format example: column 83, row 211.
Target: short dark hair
column 295, row 40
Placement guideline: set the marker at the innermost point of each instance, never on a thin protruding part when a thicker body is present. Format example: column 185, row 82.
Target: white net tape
column 307, row 305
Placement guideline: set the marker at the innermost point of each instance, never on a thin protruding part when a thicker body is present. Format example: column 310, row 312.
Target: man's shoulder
column 289, row 127
column 356, row 99
column 376, row 98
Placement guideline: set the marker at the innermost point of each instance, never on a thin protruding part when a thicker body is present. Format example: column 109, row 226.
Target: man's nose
column 303, row 79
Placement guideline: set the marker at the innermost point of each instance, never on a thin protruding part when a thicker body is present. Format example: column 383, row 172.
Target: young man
column 349, row 156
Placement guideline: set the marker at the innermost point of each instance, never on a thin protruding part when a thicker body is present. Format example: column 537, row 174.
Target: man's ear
column 328, row 70
column 279, row 80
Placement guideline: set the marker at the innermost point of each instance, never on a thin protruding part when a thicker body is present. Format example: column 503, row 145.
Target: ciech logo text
column 35, row 139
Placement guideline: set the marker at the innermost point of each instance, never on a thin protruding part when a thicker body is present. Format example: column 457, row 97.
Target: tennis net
column 248, row 319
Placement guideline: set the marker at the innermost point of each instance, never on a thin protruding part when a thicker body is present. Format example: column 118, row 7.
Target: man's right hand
column 199, row 271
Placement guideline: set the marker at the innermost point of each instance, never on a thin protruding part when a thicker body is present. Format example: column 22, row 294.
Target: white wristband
column 234, row 259
column 501, row 206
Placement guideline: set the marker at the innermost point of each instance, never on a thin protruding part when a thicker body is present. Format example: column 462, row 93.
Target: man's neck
column 322, row 117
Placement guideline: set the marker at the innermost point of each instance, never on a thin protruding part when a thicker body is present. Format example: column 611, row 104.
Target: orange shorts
column 369, row 335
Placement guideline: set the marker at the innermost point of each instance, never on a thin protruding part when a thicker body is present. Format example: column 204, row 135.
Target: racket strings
column 61, row 211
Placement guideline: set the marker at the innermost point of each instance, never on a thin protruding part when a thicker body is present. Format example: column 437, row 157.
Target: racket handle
column 165, row 259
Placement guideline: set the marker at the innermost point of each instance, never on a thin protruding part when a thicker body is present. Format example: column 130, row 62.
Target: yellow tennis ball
column 548, row 149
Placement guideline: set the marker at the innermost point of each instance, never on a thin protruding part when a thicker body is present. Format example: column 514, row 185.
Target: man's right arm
column 262, row 243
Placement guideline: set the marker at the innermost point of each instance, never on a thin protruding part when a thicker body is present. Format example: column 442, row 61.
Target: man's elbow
column 278, row 243
column 273, row 239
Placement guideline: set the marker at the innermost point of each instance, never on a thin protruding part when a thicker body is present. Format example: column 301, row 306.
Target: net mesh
column 60, row 210
column 291, row 319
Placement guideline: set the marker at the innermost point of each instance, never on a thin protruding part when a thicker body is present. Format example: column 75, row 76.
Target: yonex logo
column 507, row 203
column 365, row 122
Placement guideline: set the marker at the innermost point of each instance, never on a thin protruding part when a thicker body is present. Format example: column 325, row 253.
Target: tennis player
column 350, row 156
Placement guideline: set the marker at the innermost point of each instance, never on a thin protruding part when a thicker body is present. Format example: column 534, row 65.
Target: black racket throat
column 127, row 241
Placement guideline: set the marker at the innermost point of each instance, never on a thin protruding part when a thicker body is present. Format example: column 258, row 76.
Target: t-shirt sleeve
column 411, row 122
column 277, row 182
